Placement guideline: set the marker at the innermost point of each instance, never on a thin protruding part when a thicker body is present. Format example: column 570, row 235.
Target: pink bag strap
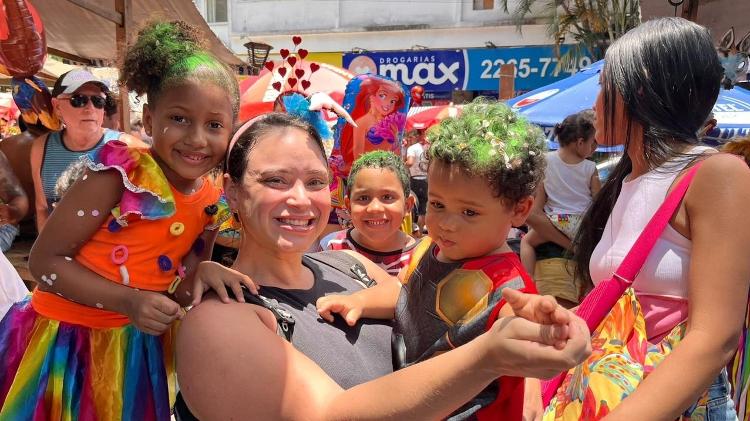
column 636, row 257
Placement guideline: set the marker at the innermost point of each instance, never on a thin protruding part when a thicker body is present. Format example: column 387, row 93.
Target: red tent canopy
column 426, row 117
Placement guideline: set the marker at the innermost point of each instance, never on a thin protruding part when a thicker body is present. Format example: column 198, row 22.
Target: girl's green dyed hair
column 490, row 141
column 166, row 54
column 380, row 159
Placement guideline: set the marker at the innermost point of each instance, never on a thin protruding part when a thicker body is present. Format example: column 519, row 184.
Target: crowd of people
column 194, row 254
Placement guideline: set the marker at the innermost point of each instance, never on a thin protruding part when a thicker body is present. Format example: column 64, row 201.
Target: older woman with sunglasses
column 78, row 99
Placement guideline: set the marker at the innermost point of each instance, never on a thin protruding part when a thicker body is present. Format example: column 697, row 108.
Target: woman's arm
column 233, row 365
column 717, row 294
column 51, row 263
column 40, row 200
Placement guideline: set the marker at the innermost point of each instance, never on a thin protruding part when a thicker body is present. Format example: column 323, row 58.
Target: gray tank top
column 349, row 355
column 57, row 158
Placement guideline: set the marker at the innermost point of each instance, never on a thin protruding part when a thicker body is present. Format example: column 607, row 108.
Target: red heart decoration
column 305, row 84
column 291, row 81
column 282, row 71
column 299, row 73
column 277, row 86
column 269, row 66
column 314, row 67
column 297, row 40
column 292, row 60
column 284, row 53
column 302, row 53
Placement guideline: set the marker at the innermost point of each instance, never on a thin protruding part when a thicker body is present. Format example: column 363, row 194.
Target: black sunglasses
column 80, row 101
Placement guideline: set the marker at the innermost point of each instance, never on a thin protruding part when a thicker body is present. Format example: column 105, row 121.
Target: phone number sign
column 535, row 67
column 473, row 69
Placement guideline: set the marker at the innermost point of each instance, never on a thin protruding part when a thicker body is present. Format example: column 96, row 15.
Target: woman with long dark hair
column 659, row 84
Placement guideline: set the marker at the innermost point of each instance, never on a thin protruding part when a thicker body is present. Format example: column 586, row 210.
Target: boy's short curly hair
column 489, row 140
column 380, row 159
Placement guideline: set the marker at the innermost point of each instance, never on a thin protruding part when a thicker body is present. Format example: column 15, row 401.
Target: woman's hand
column 519, row 347
column 212, row 275
column 350, row 307
column 539, row 309
column 152, row 312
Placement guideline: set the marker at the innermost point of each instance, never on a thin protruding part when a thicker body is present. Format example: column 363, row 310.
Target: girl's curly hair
column 489, row 140
column 166, row 54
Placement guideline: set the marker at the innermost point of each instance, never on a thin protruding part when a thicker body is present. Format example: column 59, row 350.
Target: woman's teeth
column 295, row 222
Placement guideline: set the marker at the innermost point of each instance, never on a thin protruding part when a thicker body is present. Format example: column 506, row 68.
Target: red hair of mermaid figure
column 387, row 97
column 23, row 46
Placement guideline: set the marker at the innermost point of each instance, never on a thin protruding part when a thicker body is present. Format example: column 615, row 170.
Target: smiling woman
column 78, row 100
column 277, row 182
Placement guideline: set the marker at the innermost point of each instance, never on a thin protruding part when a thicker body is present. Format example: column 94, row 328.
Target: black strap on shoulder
column 284, row 319
column 344, row 263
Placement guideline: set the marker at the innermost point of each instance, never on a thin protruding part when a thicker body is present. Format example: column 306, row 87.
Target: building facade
column 449, row 47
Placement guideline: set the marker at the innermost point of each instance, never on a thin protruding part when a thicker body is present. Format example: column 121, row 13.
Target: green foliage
column 593, row 24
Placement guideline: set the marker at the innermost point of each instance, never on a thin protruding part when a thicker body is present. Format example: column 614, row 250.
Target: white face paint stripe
column 125, row 275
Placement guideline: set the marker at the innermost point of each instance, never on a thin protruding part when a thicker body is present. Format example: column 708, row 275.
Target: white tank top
column 568, row 186
column 662, row 283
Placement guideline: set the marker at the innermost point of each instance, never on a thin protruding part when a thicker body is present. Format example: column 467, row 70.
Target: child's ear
column 521, row 210
column 147, row 119
column 347, row 203
column 409, row 203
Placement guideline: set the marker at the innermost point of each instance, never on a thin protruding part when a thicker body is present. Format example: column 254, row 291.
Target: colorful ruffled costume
column 66, row 361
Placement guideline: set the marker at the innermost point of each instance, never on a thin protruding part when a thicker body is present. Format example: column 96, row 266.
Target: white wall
column 341, row 25
column 403, row 40
column 274, row 16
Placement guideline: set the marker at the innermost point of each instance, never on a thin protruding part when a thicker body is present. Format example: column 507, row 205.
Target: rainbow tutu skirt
column 51, row 370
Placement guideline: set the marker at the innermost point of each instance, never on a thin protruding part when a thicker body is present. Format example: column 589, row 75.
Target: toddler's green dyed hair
column 380, row 159
column 490, row 141
column 167, row 54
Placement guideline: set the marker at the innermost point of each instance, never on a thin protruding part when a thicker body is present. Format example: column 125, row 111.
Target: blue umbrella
column 550, row 104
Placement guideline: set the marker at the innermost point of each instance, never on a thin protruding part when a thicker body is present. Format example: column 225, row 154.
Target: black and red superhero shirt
column 445, row 305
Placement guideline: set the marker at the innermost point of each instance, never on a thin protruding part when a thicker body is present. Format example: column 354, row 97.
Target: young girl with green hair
column 116, row 260
column 484, row 167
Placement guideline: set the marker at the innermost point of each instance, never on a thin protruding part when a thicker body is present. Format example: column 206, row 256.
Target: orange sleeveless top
column 142, row 245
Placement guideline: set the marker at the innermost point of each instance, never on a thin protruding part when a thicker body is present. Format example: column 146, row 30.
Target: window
column 484, row 4
column 216, row 11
